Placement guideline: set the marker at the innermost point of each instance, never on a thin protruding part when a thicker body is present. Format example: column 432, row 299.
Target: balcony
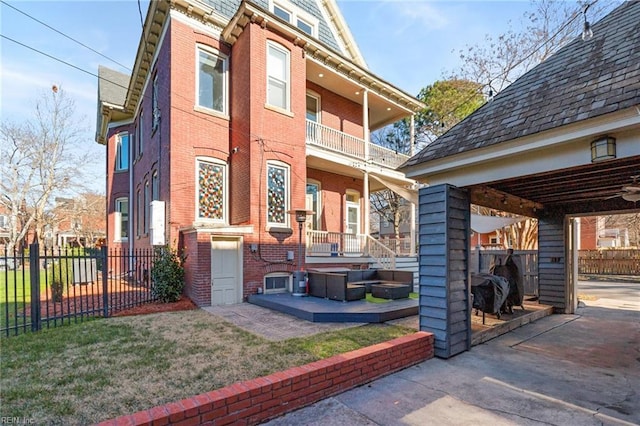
column 342, row 143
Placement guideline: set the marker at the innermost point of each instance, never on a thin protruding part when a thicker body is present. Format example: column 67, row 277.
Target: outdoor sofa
column 353, row 285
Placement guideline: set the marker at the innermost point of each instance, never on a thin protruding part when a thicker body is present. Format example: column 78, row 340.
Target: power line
column 64, row 35
column 190, row 113
column 518, row 63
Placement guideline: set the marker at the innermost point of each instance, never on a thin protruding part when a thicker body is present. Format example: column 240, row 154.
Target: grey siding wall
column 444, row 270
column 552, row 262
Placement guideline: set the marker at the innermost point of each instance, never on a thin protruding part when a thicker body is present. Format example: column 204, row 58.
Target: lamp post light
column 299, row 276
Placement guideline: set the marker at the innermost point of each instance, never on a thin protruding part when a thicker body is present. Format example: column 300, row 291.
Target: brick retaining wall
column 264, row 398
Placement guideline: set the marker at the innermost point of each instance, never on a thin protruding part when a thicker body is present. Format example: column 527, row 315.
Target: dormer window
column 295, row 16
column 282, row 13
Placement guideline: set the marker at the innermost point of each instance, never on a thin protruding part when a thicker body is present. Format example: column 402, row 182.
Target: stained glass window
column 211, row 189
column 277, row 182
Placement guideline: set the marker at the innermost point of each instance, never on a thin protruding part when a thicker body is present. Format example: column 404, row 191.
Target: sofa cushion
column 369, row 274
column 354, row 276
column 385, row 275
column 403, row 277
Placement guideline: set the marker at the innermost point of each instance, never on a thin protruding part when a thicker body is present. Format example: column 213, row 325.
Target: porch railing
column 382, row 254
column 385, row 156
column 340, row 142
column 334, row 140
column 324, row 243
column 401, row 246
column 333, row 244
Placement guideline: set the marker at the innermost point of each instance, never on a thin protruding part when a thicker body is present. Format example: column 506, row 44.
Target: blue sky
column 410, row 43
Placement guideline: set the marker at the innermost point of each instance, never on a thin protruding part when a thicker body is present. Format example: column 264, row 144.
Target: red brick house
column 235, row 114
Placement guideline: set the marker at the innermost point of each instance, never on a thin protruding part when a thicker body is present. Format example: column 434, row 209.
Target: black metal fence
column 47, row 288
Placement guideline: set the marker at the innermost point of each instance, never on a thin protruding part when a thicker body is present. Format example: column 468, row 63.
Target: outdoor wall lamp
column 603, row 148
column 299, row 277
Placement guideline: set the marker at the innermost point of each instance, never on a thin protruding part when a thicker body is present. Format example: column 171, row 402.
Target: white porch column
column 365, row 136
column 412, row 216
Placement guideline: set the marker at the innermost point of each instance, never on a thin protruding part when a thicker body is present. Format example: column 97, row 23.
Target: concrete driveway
column 581, row 369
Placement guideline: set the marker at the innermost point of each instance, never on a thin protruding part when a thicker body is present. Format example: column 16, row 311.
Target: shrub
column 58, row 276
column 167, row 275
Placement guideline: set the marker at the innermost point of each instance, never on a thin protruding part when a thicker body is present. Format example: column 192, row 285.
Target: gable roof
column 112, row 94
column 582, row 80
column 113, row 86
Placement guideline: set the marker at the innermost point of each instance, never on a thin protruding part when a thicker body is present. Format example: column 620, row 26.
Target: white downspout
column 412, row 217
column 365, row 126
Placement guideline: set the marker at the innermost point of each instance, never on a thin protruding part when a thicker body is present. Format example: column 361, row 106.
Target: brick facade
column 247, row 137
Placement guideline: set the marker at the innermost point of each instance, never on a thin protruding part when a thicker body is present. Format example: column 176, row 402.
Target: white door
column 226, row 281
column 351, row 239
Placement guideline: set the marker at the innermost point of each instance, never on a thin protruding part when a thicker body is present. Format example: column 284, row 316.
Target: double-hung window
column 140, row 133
column 138, row 210
column 155, row 186
column 212, row 196
column 277, row 194
column 121, row 224
column 145, row 224
column 212, row 81
column 155, row 110
column 278, row 75
column 295, row 16
column 122, row 151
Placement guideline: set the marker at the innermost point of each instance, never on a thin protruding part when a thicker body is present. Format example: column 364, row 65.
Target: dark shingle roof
column 228, row 8
column 581, row 81
column 112, row 86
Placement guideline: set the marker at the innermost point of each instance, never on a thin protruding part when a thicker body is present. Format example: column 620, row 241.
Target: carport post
column 445, row 305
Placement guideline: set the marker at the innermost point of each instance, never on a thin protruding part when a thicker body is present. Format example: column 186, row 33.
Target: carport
column 561, row 141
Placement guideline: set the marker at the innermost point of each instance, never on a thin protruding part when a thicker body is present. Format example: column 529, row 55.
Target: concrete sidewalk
column 581, row 369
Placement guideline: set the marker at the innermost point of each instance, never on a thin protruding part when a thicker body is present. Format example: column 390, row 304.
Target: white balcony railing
column 335, row 140
column 324, row 243
column 340, row 142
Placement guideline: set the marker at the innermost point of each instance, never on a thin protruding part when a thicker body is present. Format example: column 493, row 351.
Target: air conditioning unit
column 157, row 221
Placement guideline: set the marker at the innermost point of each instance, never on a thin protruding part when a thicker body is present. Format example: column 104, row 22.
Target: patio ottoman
column 390, row 291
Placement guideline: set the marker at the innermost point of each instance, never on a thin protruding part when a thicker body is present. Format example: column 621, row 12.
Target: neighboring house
column 4, row 225
column 595, row 234
column 562, row 141
column 235, row 115
column 76, row 222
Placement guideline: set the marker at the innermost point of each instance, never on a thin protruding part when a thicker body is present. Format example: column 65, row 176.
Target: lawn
column 96, row 370
column 15, row 292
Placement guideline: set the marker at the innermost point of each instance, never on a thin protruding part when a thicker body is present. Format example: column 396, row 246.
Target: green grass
column 96, row 370
column 15, row 293
column 370, row 298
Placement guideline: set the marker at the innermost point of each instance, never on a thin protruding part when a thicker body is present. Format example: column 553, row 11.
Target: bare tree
column 38, row 160
column 500, row 60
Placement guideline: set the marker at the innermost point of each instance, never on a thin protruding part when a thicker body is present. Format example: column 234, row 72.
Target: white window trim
column 358, row 204
column 117, row 235
column 225, row 89
column 277, row 275
column 138, row 212
column 296, row 13
column 146, row 197
column 140, row 129
column 318, row 215
column 287, row 52
column 287, row 194
column 225, row 209
column 155, row 109
column 155, row 186
column 318, row 98
column 119, row 137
